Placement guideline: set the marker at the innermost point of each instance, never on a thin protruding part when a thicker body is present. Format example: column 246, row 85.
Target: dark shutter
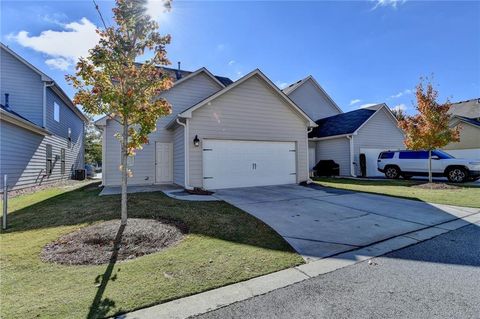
column 49, row 156
column 62, row 160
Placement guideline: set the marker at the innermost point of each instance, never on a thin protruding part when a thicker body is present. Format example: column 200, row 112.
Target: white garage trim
column 246, row 163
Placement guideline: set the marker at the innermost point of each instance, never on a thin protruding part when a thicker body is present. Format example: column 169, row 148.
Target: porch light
column 196, row 141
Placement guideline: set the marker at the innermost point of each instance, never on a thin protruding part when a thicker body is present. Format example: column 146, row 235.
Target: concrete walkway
column 171, row 190
column 320, row 222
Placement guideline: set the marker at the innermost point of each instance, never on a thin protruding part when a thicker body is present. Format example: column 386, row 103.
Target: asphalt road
column 438, row 278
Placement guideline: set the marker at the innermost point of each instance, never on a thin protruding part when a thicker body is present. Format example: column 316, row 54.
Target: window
column 56, row 112
column 62, row 161
column 386, row 155
column 413, row 155
column 49, row 158
column 442, row 155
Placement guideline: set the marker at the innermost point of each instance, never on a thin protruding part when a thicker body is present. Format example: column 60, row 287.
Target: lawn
column 224, row 245
column 464, row 195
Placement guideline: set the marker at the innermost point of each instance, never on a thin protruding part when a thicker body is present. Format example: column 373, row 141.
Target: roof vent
column 178, row 74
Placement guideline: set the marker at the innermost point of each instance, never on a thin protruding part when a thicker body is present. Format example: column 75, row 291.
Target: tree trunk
column 124, row 173
column 430, row 166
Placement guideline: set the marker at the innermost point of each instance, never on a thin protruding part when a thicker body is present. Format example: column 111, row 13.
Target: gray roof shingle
column 340, row 124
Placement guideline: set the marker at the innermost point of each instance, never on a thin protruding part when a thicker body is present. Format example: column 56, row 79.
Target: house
column 352, row 139
column 41, row 131
column 220, row 134
column 225, row 134
column 466, row 115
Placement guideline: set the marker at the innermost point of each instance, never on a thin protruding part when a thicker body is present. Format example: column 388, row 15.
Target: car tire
column 457, row 175
column 392, row 172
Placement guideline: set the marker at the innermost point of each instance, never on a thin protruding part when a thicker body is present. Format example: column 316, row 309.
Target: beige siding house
column 224, row 134
column 352, row 139
column 219, row 135
column 466, row 116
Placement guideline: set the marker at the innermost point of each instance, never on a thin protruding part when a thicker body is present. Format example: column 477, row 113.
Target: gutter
column 44, row 107
column 186, row 153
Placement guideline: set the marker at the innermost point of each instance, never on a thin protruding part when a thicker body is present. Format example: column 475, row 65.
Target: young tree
column 109, row 81
column 429, row 129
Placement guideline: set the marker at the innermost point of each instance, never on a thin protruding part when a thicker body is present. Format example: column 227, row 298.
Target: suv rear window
column 386, row 155
column 413, row 155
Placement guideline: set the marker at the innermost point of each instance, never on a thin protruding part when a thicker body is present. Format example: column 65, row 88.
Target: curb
column 224, row 296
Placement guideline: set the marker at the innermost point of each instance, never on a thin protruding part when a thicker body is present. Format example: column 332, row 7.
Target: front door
column 164, row 162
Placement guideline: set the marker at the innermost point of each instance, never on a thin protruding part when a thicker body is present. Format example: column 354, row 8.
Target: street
column 438, row 278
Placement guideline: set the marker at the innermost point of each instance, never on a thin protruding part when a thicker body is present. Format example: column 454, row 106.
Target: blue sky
column 361, row 52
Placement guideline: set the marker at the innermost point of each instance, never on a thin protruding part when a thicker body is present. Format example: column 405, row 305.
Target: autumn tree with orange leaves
column 428, row 129
column 110, row 82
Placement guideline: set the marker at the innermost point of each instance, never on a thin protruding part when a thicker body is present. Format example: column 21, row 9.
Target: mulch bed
column 198, row 191
column 96, row 244
column 436, row 186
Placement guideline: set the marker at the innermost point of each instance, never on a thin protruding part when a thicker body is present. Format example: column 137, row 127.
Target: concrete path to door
column 321, row 222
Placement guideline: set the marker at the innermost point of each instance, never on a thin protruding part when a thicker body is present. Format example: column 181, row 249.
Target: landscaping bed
column 440, row 193
column 223, row 245
column 98, row 244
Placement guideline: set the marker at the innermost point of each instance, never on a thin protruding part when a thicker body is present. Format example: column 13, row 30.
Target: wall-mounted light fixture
column 196, row 141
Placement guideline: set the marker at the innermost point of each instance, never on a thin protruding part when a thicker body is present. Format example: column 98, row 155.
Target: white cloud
column 232, row 62
column 281, row 84
column 388, row 3
column 355, row 101
column 156, row 10
column 367, row 105
column 402, row 107
column 58, row 63
column 402, row 93
column 63, row 48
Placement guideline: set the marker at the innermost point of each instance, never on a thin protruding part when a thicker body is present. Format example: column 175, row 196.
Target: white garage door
column 228, row 163
column 371, row 156
column 472, row 153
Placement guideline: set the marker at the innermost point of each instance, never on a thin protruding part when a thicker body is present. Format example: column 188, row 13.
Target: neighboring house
column 41, row 131
column 352, row 139
column 220, row 134
column 466, row 115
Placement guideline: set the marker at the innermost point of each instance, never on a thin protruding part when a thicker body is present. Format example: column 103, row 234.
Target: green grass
column 224, row 245
column 465, row 195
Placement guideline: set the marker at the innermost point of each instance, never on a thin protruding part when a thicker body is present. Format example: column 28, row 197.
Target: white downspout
column 352, row 168
column 309, row 180
column 186, row 153
column 44, row 106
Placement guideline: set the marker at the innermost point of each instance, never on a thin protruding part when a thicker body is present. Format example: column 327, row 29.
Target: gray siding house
column 41, row 131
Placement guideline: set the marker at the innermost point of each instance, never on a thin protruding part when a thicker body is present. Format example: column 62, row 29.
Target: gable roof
column 188, row 75
column 468, row 108
column 292, row 87
column 464, row 119
column 45, row 78
column 188, row 112
column 341, row 124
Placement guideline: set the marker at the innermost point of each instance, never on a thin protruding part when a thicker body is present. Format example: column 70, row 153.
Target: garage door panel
column 228, row 163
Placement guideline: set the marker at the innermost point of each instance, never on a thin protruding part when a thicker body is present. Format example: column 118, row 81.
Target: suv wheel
column 457, row 175
column 392, row 172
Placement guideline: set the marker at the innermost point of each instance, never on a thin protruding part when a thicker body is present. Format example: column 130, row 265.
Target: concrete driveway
column 320, row 222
